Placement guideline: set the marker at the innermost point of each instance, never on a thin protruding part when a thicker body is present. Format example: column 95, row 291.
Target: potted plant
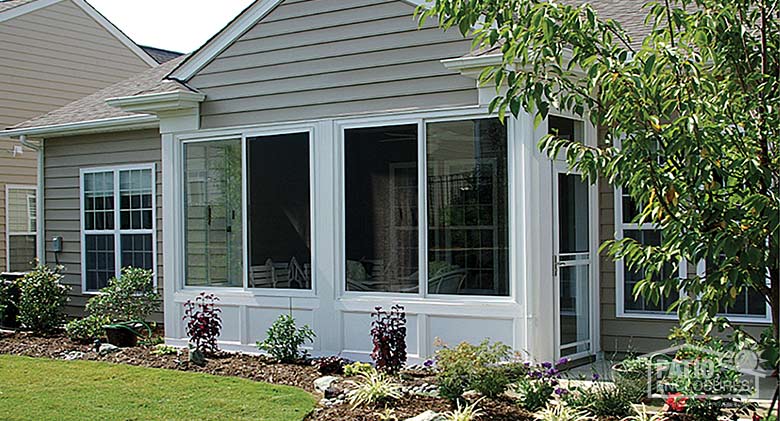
column 126, row 334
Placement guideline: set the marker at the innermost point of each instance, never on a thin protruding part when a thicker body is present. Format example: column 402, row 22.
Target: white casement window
column 21, row 227
column 118, row 222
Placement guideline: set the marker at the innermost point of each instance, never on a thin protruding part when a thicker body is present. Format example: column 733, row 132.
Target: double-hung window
column 118, row 222
column 646, row 234
column 21, row 227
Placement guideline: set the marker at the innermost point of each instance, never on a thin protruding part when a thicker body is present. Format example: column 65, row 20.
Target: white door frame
column 561, row 167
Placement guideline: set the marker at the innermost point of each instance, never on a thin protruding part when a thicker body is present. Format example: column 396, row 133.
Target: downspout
column 40, row 242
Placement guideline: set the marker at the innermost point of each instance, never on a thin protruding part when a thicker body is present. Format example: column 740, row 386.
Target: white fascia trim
column 158, row 102
column 466, row 63
column 213, row 47
column 116, row 32
column 26, row 8
column 134, row 122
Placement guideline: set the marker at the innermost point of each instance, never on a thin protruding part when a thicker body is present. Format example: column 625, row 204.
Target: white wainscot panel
column 231, row 323
column 260, row 319
column 454, row 330
column 356, row 333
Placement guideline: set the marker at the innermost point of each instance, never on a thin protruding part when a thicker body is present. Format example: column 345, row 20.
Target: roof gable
column 230, row 33
column 15, row 8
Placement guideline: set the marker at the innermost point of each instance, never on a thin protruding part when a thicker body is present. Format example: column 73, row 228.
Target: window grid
column 118, row 223
column 21, row 231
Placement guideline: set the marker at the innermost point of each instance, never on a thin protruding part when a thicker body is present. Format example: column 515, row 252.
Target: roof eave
column 113, row 124
column 158, row 102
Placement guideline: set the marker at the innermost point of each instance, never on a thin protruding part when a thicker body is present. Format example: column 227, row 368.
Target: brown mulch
column 410, row 406
column 253, row 367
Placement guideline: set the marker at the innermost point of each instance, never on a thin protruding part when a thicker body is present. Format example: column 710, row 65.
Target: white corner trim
column 116, row 32
column 133, row 122
column 219, row 42
column 26, row 8
column 158, row 102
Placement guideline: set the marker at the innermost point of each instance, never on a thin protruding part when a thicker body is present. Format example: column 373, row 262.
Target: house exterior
column 53, row 52
column 327, row 157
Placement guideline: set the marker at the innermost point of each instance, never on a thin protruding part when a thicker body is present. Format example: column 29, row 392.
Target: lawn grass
column 43, row 389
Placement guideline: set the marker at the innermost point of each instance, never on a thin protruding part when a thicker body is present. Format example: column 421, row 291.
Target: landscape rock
column 332, row 392
column 72, row 355
column 427, row 416
column 323, row 383
column 106, row 349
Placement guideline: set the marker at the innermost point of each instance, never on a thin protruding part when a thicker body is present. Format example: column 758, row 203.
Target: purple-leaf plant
column 204, row 322
column 388, row 331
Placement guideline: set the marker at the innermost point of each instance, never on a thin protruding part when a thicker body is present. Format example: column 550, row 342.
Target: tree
column 690, row 115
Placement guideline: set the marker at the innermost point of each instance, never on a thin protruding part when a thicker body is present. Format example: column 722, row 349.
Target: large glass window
column 631, row 303
column 468, row 209
column 117, row 236
column 749, row 303
column 213, row 213
column 279, row 211
column 22, row 226
column 382, row 246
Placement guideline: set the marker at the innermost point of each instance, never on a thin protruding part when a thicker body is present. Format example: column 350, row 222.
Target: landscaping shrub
column 603, row 400
column 374, row 388
column 475, row 367
column 283, row 340
column 41, row 299
column 87, row 329
column 466, row 413
column 162, row 349
column 357, row 368
column 388, row 332
column 204, row 322
column 130, row 297
column 562, row 412
column 330, row 365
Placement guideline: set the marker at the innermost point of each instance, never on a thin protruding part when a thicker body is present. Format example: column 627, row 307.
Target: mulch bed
column 253, row 367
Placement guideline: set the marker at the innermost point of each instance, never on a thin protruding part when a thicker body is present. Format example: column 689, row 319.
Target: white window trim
column 701, row 271
column 117, row 231
column 422, row 295
column 620, row 292
column 244, row 139
column 8, row 233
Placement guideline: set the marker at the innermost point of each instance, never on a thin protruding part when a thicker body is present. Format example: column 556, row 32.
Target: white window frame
column 244, row 137
column 701, row 271
column 620, row 292
column 117, row 231
column 422, row 294
column 8, row 233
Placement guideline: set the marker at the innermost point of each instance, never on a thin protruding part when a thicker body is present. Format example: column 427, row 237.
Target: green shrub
column 283, row 340
column 41, row 299
column 466, row 413
column 5, row 297
column 162, row 349
column 131, row 297
column 603, row 400
column 474, row 367
column 357, row 368
column 374, row 388
column 533, row 394
column 86, row 329
column 562, row 412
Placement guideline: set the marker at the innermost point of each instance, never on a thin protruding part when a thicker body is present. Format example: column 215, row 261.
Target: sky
column 177, row 25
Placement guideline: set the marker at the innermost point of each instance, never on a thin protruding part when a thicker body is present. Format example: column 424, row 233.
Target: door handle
column 556, row 263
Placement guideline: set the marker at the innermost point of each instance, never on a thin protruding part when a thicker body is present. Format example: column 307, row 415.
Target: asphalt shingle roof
column 10, row 4
column 94, row 107
column 160, row 55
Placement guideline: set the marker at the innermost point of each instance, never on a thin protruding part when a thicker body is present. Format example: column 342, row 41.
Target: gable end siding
column 324, row 58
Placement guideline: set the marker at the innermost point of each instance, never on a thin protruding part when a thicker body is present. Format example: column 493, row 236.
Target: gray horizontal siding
column 63, row 159
column 320, row 58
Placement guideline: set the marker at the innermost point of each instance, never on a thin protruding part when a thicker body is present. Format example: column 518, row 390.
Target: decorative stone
column 72, row 355
column 332, row 392
column 427, row 416
column 196, row 357
column 323, row 383
column 106, row 349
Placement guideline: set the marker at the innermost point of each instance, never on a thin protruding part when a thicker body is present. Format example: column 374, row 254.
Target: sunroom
column 451, row 213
